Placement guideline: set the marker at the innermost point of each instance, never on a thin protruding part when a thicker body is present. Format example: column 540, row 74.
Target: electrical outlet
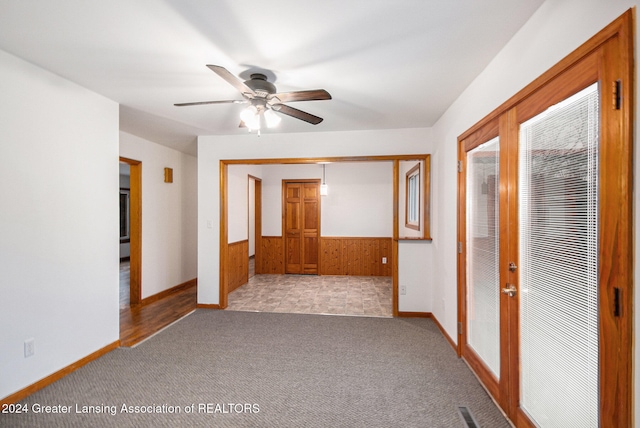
column 29, row 347
column 384, row 260
column 403, row 290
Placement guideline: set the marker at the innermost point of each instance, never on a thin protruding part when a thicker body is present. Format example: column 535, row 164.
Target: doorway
column 544, row 270
column 301, row 226
column 134, row 213
column 255, row 225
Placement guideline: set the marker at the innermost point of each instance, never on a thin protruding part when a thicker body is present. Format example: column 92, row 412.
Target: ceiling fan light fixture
column 251, row 117
column 271, row 118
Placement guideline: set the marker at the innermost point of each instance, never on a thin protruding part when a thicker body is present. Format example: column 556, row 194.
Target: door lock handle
column 510, row 290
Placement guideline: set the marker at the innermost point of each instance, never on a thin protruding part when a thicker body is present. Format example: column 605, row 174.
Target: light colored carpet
column 285, row 370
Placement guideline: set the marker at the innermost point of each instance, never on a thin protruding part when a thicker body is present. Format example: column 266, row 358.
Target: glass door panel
column 483, row 253
column 558, row 266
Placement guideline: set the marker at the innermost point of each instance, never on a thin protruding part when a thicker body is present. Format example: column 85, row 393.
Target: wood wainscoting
column 271, row 259
column 355, row 256
column 338, row 256
column 238, row 268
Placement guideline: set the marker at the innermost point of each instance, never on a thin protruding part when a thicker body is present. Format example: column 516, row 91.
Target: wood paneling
column 238, row 258
column 272, row 256
column 355, row 256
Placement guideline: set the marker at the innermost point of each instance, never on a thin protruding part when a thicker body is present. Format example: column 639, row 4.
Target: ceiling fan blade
column 233, row 80
column 310, row 95
column 211, row 102
column 298, row 114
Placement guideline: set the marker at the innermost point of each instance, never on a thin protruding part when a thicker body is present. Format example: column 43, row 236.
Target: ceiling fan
column 263, row 100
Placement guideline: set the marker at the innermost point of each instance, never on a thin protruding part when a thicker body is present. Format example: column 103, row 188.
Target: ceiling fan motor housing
column 260, row 85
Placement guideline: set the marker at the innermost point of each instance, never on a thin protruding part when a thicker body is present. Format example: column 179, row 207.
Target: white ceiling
column 387, row 63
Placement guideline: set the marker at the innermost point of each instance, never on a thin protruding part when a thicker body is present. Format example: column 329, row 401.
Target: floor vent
column 468, row 418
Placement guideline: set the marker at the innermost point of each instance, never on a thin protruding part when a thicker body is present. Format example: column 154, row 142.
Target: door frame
column 224, row 210
column 257, row 216
column 614, row 57
column 135, row 230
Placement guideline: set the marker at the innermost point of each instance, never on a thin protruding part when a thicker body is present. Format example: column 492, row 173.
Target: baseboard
column 446, row 336
column 415, row 315
column 167, row 292
column 208, row 306
column 23, row 393
column 435, row 320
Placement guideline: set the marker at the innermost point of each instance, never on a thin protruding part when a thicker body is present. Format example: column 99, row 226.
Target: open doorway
column 255, row 222
column 349, row 249
column 130, row 232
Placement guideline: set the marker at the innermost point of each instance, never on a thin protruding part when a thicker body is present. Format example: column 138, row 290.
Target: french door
column 545, row 265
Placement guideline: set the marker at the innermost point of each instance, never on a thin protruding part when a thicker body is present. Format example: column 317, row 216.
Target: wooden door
column 301, row 218
column 544, row 266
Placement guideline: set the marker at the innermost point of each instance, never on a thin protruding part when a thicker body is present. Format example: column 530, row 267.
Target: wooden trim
column 135, row 230
column 426, row 205
column 616, row 238
column 42, row 383
column 403, row 314
column 406, row 197
column 257, row 240
column 396, row 233
column 208, row 306
column 289, row 161
column 224, row 236
column 161, row 295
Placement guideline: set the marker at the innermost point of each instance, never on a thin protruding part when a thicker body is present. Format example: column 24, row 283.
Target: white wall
column 211, row 149
column 415, row 276
column 169, row 214
column 554, row 31
column 359, row 202
column 58, row 222
column 238, row 200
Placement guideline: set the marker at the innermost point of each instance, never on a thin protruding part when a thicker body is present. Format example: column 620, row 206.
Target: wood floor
column 142, row 321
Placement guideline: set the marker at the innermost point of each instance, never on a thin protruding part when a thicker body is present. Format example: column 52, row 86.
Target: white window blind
column 483, row 247
column 558, row 213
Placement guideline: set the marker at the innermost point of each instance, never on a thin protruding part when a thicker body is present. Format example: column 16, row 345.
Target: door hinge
column 459, row 166
column 459, row 328
column 617, row 94
column 459, row 247
column 616, row 302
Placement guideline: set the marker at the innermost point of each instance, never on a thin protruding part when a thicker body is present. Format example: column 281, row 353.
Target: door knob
column 510, row 290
